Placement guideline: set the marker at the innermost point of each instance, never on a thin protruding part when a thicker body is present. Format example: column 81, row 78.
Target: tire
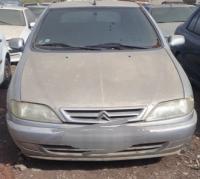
column 7, row 74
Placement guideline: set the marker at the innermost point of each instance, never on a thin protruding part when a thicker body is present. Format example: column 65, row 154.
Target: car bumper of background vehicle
column 15, row 57
column 100, row 143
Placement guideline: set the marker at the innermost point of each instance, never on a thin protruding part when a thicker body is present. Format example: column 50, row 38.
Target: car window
column 93, row 26
column 172, row 14
column 12, row 17
column 197, row 26
column 193, row 22
column 37, row 10
column 30, row 16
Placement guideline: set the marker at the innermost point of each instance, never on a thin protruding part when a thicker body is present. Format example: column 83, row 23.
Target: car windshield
column 11, row 17
column 96, row 28
column 172, row 14
column 37, row 10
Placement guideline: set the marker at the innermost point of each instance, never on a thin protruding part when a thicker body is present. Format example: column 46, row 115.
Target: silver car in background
column 97, row 81
column 15, row 22
column 5, row 67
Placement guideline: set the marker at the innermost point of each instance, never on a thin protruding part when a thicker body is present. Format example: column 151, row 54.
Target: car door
column 193, row 36
column 1, row 59
column 191, row 51
column 1, row 48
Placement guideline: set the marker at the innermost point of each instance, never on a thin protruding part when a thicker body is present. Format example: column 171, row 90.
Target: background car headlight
column 33, row 112
column 171, row 109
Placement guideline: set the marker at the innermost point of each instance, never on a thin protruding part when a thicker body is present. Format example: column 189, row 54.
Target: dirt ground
column 14, row 166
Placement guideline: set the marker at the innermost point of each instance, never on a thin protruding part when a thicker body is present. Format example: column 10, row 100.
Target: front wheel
column 7, row 74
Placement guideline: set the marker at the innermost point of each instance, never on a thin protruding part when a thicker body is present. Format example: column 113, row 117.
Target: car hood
column 169, row 29
column 11, row 31
column 102, row 79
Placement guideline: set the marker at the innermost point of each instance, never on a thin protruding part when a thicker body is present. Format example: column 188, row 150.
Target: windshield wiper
column 117, row 46
column 64, row 46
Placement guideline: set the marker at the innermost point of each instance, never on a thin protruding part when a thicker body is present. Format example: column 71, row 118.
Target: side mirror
column 16, row 44
column 176, row 40
column 31, row 25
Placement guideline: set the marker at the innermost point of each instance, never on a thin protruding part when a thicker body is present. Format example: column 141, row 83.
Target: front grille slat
column 144, row 147
column 135, row 149
column 94, row 116
column 123, row 114
column 82, row 113
column 110, row 114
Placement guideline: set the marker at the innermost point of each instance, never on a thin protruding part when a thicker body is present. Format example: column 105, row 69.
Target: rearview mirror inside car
column 16, row 44
column 176, row 40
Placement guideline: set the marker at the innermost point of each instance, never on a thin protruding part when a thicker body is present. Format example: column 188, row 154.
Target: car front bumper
column 102, row 142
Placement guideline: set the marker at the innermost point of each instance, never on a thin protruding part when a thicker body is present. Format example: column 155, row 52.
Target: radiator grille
column 94, row 116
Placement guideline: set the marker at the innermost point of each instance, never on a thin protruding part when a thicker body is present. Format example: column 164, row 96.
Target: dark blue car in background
column 189, row 53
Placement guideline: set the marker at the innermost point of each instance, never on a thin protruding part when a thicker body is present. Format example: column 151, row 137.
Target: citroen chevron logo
column 103, row 116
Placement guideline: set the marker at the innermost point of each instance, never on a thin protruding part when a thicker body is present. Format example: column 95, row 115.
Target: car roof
column 19, row 8
column 103, row 3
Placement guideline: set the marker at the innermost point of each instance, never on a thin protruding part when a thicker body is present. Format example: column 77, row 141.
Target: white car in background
column 5, row 69
column 15, row 22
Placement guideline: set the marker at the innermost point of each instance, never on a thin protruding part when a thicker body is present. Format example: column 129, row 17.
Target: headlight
column 171, row 109
column 33, row 112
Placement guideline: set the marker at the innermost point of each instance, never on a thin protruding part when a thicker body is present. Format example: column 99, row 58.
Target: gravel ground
column 14, row 166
